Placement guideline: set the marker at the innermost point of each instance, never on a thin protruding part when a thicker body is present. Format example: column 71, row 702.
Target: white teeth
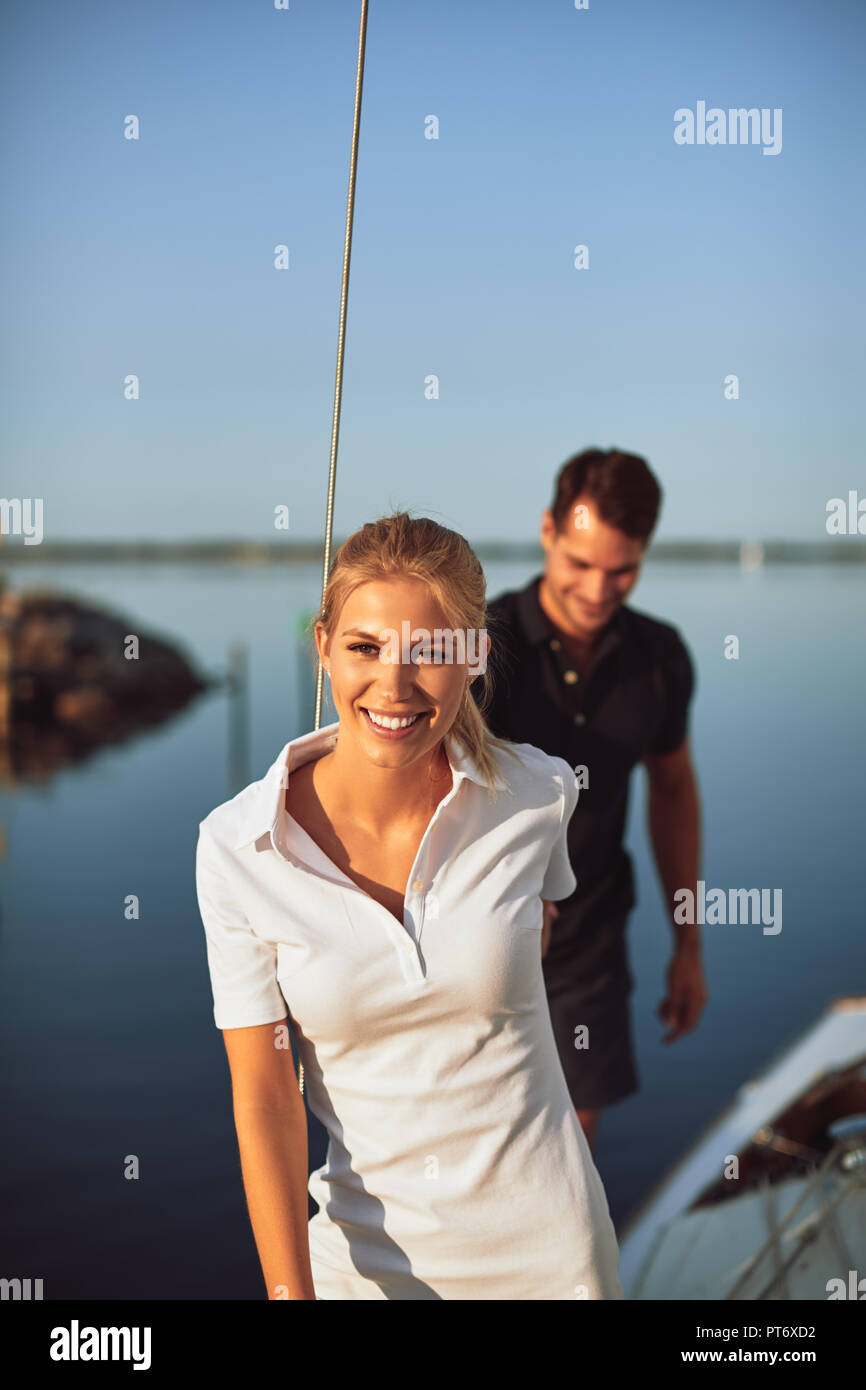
column 384, row 722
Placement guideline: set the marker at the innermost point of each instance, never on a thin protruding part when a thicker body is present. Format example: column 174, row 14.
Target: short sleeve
column 678, row 676
column 559, row 880
column 243, row 968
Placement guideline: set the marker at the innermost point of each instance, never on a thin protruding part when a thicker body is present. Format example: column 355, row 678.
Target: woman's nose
column 397, row 679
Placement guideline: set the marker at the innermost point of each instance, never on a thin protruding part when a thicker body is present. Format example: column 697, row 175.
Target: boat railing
column 847, row 1154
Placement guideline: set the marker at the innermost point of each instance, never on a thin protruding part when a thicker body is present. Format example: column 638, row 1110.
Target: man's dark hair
column 625, row 491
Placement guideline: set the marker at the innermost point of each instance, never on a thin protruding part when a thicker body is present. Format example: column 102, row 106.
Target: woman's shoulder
column 221, row 828
column 251, row 812
column 526, row 767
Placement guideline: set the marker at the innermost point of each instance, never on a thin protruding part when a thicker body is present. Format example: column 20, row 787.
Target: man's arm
column 673, row 813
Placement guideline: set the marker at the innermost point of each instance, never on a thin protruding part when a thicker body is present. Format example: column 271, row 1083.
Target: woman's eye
column 424, row 655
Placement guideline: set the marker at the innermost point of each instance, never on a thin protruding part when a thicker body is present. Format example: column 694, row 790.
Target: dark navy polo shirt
column 633, row 701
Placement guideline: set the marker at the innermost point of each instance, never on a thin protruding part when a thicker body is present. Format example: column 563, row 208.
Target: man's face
column 590, row 569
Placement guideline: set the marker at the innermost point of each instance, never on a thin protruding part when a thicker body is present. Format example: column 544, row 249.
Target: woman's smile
column 394, row 726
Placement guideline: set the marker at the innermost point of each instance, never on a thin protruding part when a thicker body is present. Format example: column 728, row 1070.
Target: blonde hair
column 418, row 548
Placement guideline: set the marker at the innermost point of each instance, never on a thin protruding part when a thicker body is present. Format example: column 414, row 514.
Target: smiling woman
column 409, row 576
column 383, row 885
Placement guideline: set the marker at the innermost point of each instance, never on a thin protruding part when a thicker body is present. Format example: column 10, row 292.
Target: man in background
column 589, row 679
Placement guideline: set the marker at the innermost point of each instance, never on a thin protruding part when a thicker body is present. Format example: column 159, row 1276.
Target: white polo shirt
column 456, row 1165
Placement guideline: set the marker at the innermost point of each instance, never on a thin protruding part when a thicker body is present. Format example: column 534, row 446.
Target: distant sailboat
column 751, row 555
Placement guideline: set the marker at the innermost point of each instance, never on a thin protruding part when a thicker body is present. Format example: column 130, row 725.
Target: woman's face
column 376, row 677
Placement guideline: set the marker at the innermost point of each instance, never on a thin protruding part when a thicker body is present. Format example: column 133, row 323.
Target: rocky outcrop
column 74, row 677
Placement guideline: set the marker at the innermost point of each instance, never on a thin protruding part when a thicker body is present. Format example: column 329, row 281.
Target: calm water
column 109, row 1045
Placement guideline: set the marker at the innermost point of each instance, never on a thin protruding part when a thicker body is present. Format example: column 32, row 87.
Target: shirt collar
column 538, row 628
column 261, row 803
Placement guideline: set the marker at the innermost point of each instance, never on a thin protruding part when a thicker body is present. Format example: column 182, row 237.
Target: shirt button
column 417, row 884
column 569, row 677
column 580, row 718
column 555, row 644
column 408, row 947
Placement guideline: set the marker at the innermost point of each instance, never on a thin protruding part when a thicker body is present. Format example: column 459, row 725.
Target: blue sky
column 155, row 257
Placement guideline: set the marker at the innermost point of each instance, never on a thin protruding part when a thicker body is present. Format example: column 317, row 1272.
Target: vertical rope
column 341, row 337
column 341, row 345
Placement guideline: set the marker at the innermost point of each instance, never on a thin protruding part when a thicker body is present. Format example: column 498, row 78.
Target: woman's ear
column 322, row 645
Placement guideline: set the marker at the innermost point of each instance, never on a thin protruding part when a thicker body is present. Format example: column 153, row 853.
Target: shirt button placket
column 409, row 947
column 570, row 677
column 412, row 966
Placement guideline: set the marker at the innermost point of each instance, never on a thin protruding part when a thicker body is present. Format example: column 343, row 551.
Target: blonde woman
column 382, row 886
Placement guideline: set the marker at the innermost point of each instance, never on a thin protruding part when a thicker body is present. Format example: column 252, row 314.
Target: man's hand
column 687, row 992
column 550, row 912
